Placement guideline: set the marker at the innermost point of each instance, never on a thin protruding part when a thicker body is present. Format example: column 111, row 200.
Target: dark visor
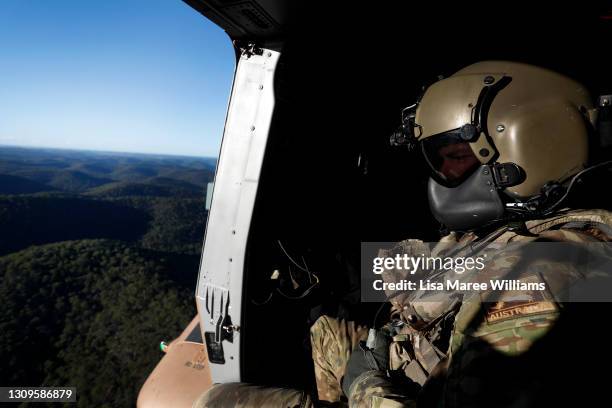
column 450, row 157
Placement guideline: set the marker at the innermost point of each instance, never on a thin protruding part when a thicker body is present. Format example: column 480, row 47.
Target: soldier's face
column 450, row 157
column 457, row 159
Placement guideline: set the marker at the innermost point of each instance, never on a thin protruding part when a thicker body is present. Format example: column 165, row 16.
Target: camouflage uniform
column 240, row 395
column 373, row 389
column 491, row 342
column 485, row 335
column 332, row 342
column 510, row 336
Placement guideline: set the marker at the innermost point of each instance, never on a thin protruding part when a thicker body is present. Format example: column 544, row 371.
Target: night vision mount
column 404, row 134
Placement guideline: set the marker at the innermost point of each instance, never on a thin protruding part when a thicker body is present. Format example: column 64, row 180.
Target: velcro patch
column 513, row 304
column 501, row 310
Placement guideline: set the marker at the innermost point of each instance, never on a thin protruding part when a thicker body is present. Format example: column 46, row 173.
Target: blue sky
column 150, row 76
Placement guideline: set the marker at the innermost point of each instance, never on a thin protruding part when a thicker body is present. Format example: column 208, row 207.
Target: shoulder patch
column 512, row 305
column 500, row 311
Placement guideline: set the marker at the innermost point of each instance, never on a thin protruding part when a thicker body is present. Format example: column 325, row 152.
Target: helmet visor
column 450, row 157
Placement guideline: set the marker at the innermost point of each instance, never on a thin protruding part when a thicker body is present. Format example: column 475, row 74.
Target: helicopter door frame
column 220, row 280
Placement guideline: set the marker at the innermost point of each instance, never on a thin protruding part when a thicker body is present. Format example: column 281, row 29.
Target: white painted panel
column 242, row 151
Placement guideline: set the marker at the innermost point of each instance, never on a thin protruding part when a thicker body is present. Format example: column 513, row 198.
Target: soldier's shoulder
column 593, row 224
column 600, row 216
column 407, row 246
column 593, row 216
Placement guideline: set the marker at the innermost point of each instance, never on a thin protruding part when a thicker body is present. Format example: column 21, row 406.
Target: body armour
column 467, row 332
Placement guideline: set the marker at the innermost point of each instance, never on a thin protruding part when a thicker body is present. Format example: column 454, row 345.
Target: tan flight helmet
column 499, row 137
column 507, row 112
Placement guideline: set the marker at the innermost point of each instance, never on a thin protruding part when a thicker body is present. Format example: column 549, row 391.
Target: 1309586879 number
column 40, row 394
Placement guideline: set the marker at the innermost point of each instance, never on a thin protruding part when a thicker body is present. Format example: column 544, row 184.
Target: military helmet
column 497, row 132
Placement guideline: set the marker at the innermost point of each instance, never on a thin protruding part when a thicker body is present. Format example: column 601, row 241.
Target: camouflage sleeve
column 373, row 389
column 332, row 342
column 241, row 395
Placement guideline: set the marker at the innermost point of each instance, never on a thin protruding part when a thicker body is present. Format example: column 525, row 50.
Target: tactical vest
column 433, row 329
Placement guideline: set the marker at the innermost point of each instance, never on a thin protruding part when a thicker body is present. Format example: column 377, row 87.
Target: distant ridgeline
column 99, row 255
column 49, row 195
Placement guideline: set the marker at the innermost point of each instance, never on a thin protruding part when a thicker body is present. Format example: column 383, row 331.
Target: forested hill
column 89, row 314
column 99, row 257
column 43, row 218
column 168, row 224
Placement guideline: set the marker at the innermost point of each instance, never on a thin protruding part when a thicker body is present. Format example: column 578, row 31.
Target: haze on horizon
column 129, row 76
